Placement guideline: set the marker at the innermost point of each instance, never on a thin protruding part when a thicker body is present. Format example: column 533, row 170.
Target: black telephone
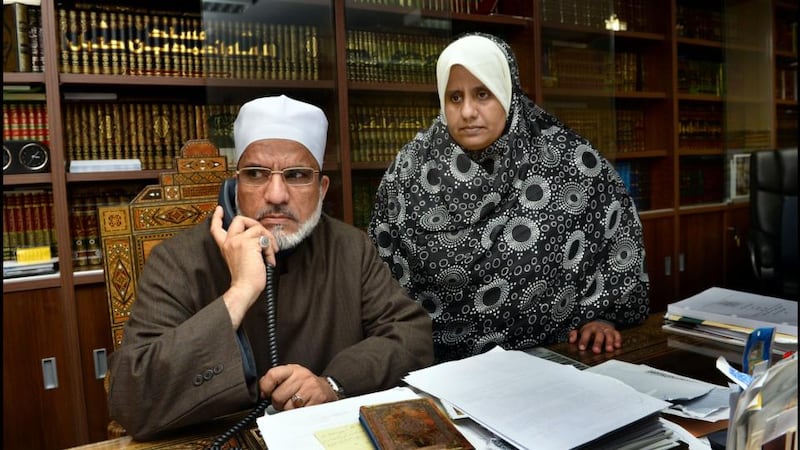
column 227, row 199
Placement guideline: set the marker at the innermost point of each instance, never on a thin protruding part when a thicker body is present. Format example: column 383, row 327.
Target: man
column 196, row 344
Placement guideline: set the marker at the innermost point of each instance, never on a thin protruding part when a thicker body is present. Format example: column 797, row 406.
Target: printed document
column 534, row 403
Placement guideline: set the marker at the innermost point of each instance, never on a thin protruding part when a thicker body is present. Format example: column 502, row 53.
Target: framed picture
column 740, row 176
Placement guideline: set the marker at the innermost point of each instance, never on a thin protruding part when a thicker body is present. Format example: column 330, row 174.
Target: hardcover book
column 411, row 424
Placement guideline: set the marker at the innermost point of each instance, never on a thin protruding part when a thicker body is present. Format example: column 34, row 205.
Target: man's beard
column 289, row 240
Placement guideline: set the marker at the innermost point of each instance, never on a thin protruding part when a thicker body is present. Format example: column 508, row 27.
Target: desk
column 645, row 344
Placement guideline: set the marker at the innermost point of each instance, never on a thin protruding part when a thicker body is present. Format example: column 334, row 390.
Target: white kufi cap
column 281, row 118
column 484, row 59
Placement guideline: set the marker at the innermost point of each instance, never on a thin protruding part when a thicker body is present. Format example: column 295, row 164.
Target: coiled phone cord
column 272, row 347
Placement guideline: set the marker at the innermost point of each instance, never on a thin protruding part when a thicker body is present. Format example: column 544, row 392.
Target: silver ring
column 263, row 241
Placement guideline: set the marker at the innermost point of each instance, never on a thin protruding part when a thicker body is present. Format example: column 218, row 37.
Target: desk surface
column 645, row 344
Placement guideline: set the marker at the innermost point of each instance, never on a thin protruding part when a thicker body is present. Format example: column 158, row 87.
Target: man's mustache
column 276, row 210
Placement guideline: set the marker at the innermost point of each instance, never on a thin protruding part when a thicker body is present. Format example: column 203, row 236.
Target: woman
column 508, row 227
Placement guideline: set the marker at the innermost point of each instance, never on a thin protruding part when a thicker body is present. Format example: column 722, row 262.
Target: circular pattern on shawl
column 462, row 167
column 564, row 302
column 595, row 289
column 587, row 160
column 400, row 269
column 407, row 164
column 623, row 254
column 488, row 341
column 521, row 233
column 530, row 294
column 383, row 239
column 574, row 249
column 485, row 207
column 535, row 193
column 453, row 278
column 431, row 303
column 613, row 218
column 491, row 295
column 456, row 330
column 431, row 179
column 451, row 239
column 435, row 219
column 573, row 198
column 492, row 230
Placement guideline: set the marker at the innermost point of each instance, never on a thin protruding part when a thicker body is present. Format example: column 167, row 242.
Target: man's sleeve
column 180, row 362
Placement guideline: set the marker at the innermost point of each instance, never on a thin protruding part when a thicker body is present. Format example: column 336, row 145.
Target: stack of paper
column 690, row 398
column 728, row 316
column 534, row 403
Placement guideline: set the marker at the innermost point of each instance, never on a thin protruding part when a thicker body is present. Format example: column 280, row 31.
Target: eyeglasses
column 261, row 176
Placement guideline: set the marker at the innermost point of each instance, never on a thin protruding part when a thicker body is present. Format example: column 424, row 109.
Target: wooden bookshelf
column 689, row 246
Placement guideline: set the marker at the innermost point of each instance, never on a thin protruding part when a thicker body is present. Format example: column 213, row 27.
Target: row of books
column 576, row 65
column 377, row 132
column 748, row 139
column 700, row 126
column 392, row 57
column 363, row 199
column 25, row 121
column 611, row 131
column 701, row 179
column 699, row 22
column 22, row 38
column 700, row 77
column 153, row 133
column 27, row 221
column 108, row 42
column 636, row 176
column 786, row 84
column 594, row 13
column 87, row 253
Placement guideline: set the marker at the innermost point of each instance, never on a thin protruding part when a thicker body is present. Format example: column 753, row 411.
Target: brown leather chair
column 182, row 198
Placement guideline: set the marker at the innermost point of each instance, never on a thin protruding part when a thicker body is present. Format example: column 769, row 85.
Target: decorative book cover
column 411, row 424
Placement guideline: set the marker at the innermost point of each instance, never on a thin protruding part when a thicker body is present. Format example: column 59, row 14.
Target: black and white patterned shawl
column 514, row 245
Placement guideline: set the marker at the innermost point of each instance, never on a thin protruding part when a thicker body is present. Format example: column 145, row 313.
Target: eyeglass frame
column 272, row 172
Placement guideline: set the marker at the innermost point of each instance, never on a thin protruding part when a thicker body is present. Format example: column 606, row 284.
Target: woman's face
column 475, row 118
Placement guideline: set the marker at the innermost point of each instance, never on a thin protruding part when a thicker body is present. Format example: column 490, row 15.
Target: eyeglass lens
column 295, row 176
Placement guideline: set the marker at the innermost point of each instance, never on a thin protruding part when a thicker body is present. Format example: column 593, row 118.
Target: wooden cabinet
column 42, row 386
column 653, row 103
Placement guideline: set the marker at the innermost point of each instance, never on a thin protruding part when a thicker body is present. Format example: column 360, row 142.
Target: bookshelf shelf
column 23, row 77
column 31, row 283
column 112, row 176
column 356, row 86
column 30, row 178
column 701, row 151
column 89, row 277
column 584, row 93
column 577, row 31
column 367, row 12
column 140, row 80
column 700, row 98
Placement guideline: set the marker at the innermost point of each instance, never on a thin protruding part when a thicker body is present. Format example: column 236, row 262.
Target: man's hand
column 599, row 334
column 244, row 256
column 293, row 386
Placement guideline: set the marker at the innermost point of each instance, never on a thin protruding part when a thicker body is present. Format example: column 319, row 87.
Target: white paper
column 739, row 308
column 295, row 428
column 534, row 403
column 657, row 383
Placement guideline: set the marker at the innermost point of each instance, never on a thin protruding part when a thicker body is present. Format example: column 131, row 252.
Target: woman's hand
column 599, row 334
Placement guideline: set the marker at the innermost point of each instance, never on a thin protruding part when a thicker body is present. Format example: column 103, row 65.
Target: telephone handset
column 227, row 199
